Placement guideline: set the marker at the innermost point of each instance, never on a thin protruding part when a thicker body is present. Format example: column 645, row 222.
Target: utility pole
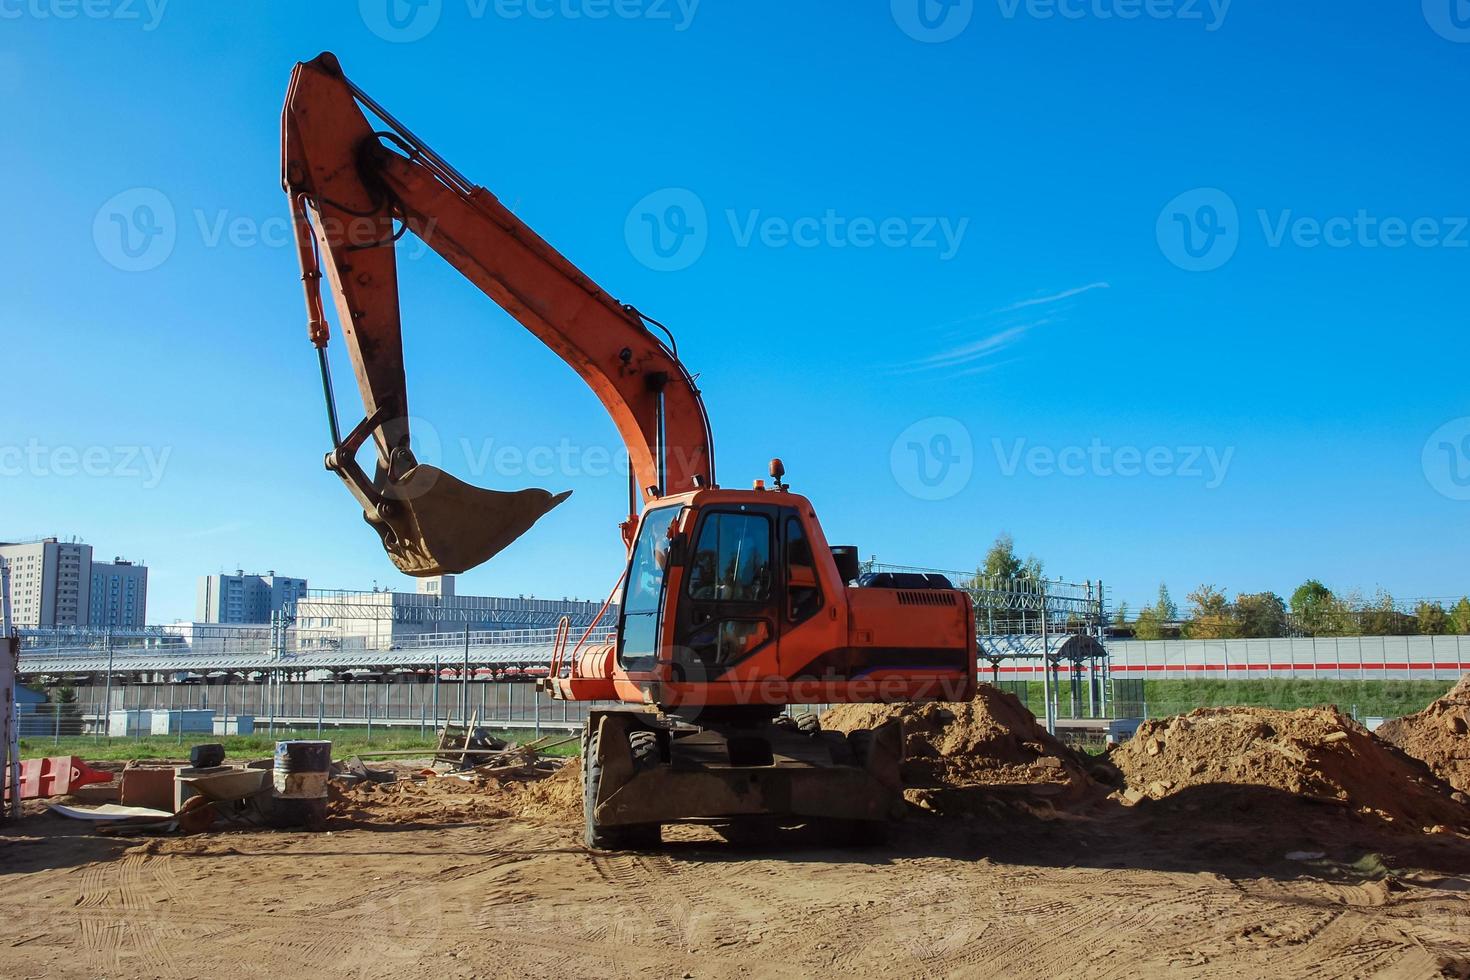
column 106, row 719
column 464, row 683
column 9, row 669
column 1046, row 685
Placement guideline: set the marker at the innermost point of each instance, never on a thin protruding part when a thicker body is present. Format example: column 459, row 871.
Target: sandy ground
column 1017, row 888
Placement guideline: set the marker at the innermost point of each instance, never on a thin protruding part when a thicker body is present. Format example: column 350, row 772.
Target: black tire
column 807, row 723
column 783, row 721
column 646, row 753
column 620, row 838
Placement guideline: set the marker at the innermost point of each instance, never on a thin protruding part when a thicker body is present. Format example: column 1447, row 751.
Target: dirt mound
column 449, row 799
column 1315, row 754
column 989, row 742
column 1438, row 736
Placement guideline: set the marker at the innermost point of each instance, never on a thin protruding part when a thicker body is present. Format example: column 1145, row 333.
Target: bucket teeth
column 437, row 524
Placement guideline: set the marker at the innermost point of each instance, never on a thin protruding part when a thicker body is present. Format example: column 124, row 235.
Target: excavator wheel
column 620, row 838
column 807, row 723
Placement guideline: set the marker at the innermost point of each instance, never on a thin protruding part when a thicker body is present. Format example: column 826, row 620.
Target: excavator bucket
column 435, row 524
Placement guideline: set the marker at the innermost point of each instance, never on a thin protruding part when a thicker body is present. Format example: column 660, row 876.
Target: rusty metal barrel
column 301, row 770
column 299, row 783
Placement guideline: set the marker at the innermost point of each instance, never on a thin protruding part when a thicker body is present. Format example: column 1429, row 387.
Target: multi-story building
column 55, row 583
column 119, row 595
column 245, row 598
column 383, row 620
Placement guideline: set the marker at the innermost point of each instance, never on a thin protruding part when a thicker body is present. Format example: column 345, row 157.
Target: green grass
column 1384, row 699
column 241, row 748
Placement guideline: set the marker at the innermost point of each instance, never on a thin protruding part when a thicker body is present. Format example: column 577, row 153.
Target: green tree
column 1432, row 618
column 1153, row 620
column 1004, row 571
column 1120, row 615
column 1003, row 564
column 1210, row 617
column 1147, row 626
column 1460, row 617
column 1381, row 617
column 1311, row 604
column 1165, row 608
column 1260, row 614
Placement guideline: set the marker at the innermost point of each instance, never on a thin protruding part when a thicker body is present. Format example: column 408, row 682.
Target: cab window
column 803, row 593
column 732, row 559
column 644, row 590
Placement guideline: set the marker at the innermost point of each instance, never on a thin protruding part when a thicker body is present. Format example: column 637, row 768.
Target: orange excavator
column 732, row 606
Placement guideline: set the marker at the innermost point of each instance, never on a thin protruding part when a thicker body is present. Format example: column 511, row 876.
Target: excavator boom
column 354, row 190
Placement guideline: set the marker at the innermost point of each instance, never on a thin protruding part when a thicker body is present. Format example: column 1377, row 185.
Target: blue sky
column 1177, row 296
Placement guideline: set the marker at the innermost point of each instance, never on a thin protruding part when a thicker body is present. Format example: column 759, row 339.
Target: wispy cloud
column 1056, row 298
column 972, row 356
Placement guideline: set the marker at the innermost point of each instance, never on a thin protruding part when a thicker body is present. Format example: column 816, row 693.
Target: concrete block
column 150, row 786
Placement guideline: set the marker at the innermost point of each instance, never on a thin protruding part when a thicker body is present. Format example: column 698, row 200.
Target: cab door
column 732, row 600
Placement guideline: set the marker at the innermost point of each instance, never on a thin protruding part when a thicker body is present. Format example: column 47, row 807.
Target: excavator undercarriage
column 641, row 771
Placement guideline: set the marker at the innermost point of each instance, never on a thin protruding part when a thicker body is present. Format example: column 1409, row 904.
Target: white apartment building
column 245, row 597
column 55, row 583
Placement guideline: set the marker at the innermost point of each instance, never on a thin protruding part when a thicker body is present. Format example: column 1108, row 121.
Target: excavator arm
column 354, row 190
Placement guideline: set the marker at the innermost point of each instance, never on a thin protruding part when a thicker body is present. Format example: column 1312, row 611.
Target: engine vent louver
column 907, row 597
